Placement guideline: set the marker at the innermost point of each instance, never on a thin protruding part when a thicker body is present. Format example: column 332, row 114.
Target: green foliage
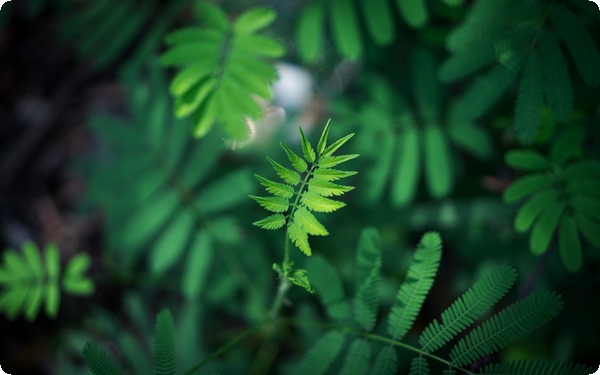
column 293, row 207
column 172, row 209
column 402, row 143
column 512, row 323
column 29, row 281
column 104, row 30
column 519, row 40
column 223, row 69
column 342, row 17
column 538, row 367
column 562, row 194
column 100, row 362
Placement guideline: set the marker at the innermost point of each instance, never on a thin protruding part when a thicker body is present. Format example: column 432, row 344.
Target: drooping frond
column 98, row 360
column 358, row 358
column 419, row 366
column 528, row 110
column 223, row 67
column 467, row 308
column 507, row 326
column 164, row 344
column 326, row 282
column 536, row 367
column 306, row 188
column 321, row 355
column 29, row 281
column 367, row 279
column 414, row 290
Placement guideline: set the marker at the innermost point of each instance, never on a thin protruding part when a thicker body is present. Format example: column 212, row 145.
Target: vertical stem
column 284, row 286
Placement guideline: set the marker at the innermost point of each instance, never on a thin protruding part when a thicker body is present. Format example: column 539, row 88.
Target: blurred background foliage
column 478, row 119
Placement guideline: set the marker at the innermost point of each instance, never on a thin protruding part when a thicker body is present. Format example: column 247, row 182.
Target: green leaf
column 414, row 290
column 98, row 360
column 357, row 360
column 335, row 146
column 164, row 343
column 413, row 12
column 533, row 207
column 212, row 15
column 589, row 228
column 569, row 244
column 273, row 204
column 525, row 186
column 327, row 283
column 386, row 362
column 78, row 265
column 275, row 188
column 297, row 162
column 406, row 176
column 321, row 354
column 272, row 222
column 254, row 20
column 507, row 326
column 289, row 176
column 308, row 222
column 557, row 84
column 309, row 31
column 307, row 149
column 437, row 161
column 323, row 139
column 318, row 203
column 326, row 188
column 226, row 192
column 545, row 226
column 331, row 161
column 425, row 85
column 528, row 109
column 299, row 238
column 589, row 206
column 526, row 160
column 579, row 42
column 419, row 366
column 379, row 20
column 463, row 312
column 538, row 367
column 331, row 174
column 344, row 23
column 197, row 266
column 299, row 278
column 170, row 245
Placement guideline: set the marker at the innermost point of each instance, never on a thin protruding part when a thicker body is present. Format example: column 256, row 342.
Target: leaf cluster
column 28, row 280
column 223, row 69
column 172, row 209
column 358, row 316
column 406, row 141
column 520, row 41
column 561, row 193
column 305, row 189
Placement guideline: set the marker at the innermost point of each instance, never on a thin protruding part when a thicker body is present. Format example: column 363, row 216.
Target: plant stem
column 284, row 286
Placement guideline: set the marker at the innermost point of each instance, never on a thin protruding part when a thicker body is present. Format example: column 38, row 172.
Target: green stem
column 284, row 286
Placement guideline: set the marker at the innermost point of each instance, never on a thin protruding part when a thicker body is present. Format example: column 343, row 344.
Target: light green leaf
column 308, row 222
column 326, row 188
column 307, row 149
column 331, row 161
column 318, row 203
column 253, row 20
column 297, row 162
column 273, row 204
column 272, row 222
column 299, row 238
column 289, row 176
column 276, row 188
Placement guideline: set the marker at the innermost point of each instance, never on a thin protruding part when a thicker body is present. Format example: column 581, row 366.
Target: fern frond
column 321, row 355
column 386, row 362
column 29, row 281
column 419, row 366
column 164, row 343
column 326, row 282
column 528, row 109
column 467, row 308
column 579, row 42
column 367, row 279
column 414, row 290
column 98, row 360
column 557, row 84
column 223, row 69
column 358, row 358
column 509, row 325
column 536, row 367
column 312, row 193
